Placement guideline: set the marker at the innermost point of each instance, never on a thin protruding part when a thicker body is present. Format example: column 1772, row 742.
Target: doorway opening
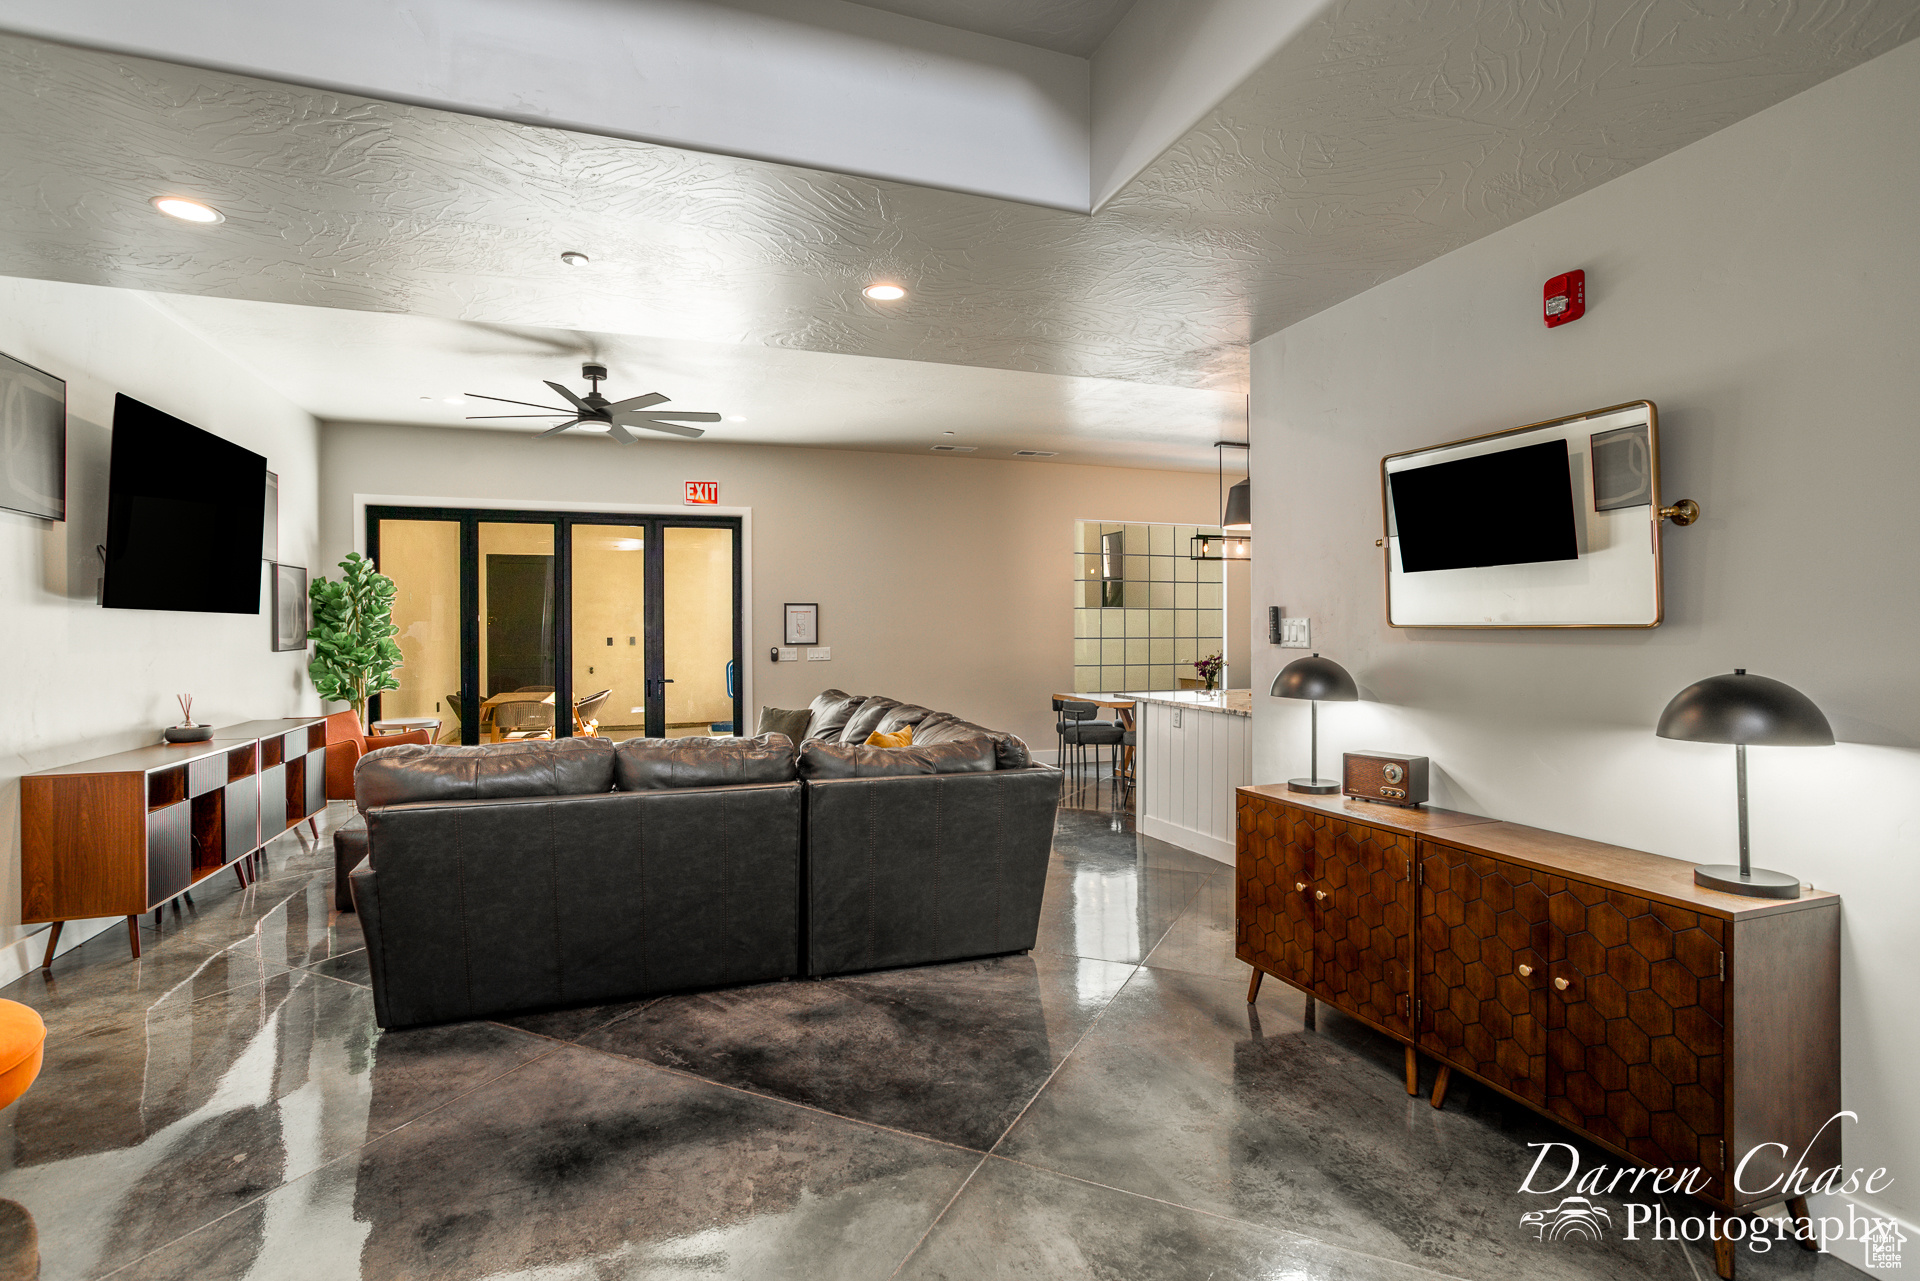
column 540, row 624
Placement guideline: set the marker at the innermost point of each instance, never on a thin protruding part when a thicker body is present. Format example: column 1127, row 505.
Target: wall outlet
column 1295, row 633
column 789, row 654
column 820, row 655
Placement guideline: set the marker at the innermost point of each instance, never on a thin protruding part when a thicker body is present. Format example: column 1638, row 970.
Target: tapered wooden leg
column 159, row 913
column 1307, row 1019
column 1413, row 1071
column 313, row 827
column 1253, row 985
column 1722, row 1249
column 240, row 871
column 133, row 935
column 1440, row 1081
column 53, row 941
column 1802, row 1224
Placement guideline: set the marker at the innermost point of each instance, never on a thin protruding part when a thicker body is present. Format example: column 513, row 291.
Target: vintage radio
column 1389, row 778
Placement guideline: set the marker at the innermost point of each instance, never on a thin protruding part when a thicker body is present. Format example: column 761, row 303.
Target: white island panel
column 1185, row 773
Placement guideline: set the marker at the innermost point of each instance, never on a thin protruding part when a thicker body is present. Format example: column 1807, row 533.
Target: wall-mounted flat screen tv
column 184, row 516
column 33, row 441
column 1513, row 507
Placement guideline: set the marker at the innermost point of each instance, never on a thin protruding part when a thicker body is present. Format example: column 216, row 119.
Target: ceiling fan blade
column 480, row 417
column 673, row 429
column 619, row 433
column 681, row 418
column 528, row 403
column 571, row 399
column 555, row 431
column 639, row 402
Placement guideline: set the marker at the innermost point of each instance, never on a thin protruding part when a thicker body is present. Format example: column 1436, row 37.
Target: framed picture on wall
column 289, row 607
column 803, row 625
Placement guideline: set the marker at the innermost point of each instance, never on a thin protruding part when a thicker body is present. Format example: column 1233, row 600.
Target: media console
column 124, row 834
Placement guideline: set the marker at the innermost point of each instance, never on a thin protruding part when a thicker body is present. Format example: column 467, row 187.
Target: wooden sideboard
column 123, row 834
column 1675, row 1025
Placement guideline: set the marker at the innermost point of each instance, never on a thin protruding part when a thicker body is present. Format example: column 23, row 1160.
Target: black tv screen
column 1514, row 507
column 184, row 516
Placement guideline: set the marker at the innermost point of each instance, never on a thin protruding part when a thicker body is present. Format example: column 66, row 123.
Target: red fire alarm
column 1564, row 299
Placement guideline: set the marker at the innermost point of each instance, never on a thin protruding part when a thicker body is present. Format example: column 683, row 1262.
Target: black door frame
column 470, row 519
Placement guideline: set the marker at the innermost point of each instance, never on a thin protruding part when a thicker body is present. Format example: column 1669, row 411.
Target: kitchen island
column 1194, row 749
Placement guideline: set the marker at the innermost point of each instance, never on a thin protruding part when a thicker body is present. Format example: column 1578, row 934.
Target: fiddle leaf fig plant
column 354, row 653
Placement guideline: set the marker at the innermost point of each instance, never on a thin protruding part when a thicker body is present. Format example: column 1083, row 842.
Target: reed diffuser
column 186, row 731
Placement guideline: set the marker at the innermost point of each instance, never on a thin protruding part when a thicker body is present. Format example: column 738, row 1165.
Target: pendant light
column 1235, row 539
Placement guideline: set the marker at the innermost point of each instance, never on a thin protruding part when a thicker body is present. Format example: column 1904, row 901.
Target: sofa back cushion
column 831, row 712
column 658, row 764
column 569, row 767
column 901, row 715
column 940, row 727
column 851, row 760
column 866, row 718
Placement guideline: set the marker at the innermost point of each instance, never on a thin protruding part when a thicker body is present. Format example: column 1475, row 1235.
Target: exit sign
column 702, row 493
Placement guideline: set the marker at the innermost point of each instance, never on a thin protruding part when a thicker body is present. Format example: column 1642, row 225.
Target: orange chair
column 23, row 1042
column 346, row 745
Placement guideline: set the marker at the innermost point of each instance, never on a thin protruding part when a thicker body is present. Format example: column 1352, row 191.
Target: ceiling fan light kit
column 593, row 412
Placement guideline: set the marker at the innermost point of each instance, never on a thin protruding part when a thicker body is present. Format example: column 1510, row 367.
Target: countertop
column 1232, row 702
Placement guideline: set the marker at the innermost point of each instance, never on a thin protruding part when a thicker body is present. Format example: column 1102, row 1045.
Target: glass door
column 550, row 624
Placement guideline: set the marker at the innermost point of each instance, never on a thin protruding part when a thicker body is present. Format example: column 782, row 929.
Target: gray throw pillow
column 775, row 720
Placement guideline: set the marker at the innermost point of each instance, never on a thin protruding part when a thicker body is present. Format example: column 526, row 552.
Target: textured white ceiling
column 1386, row 134
column 357, row 366
column 1064, row 26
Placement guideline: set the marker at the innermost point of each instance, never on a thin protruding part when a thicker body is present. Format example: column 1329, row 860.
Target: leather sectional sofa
column 524, row 876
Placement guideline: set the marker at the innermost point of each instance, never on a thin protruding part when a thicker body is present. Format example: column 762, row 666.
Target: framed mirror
column 1555, row 524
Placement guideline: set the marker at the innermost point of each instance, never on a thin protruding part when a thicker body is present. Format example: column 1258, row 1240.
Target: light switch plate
column 1295, row 633
column 789, row 654
column 1176, row 718
column 819, row 655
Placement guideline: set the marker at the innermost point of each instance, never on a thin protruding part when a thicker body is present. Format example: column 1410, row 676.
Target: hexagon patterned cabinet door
column 1636, row 1055
column 1274, row 916
column 1485, row 947
column 1365, row 940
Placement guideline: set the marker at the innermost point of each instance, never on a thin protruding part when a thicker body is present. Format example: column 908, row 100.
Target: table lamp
column 1742, row 709
column 1315, row 678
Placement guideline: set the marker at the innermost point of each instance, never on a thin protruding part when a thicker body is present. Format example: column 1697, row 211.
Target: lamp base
column 1758, row 883
column 1313, row 786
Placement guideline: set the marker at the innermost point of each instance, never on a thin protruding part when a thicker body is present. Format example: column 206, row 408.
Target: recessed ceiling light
column 1035, row 453
column 574, row 258
column 884, row 293
column 187, row 210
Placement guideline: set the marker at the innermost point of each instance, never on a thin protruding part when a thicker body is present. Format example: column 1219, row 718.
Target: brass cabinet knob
column 1526, row 971
column 1301, row 886
column 1562, row 984
column 1320, row 894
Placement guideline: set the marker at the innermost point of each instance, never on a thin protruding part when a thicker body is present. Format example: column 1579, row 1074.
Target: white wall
column 823, row 83
column 942, row 581
column 83, row 681
column 1760, row 286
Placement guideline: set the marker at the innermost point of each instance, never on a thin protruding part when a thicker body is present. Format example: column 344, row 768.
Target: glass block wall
column 1143, row 628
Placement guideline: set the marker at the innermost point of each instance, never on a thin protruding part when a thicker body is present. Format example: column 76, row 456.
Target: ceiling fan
column 594, row 412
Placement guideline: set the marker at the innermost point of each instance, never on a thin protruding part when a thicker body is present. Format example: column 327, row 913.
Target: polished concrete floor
column 1106, row 1107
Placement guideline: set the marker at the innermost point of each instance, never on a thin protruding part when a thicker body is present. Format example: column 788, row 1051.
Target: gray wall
column 1761, row 287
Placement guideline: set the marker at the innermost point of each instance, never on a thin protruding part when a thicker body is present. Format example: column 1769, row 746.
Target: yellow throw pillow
column 904, row 738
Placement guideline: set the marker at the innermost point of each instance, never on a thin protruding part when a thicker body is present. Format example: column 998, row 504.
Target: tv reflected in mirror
column 33, row 441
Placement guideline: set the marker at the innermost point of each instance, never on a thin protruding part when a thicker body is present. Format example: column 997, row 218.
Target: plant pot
column 188, row 733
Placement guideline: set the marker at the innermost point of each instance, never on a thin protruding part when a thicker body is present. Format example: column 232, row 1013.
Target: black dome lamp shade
column 1743, row 709
column 1318, row 679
